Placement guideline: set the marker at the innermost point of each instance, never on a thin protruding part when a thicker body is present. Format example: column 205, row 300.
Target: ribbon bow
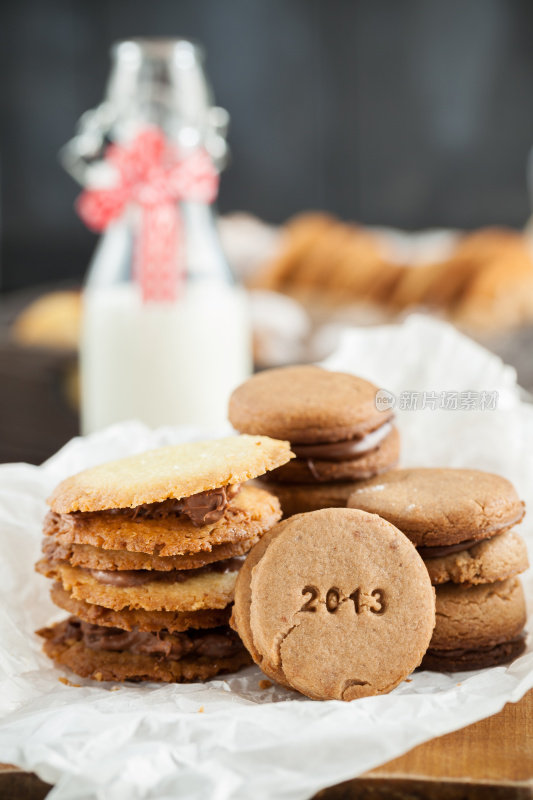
column 151, row 174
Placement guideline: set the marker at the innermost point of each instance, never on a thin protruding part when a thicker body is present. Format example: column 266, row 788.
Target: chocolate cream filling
column 337, row 452
column 138, row 577
column 213, row 643
column 204, row 508
column 461, row 652
column 438, row 551
column 347, row 450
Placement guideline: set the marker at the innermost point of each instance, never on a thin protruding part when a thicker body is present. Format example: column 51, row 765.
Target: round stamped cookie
column 306, row 404
column 240, row 617
column 340, row 603
column 441, row 506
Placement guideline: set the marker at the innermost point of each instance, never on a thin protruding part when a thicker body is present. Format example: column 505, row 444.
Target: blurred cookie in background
column 482, row 280
column 52, row 320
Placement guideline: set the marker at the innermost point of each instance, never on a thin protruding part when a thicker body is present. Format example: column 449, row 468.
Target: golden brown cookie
column 128, row 619
column 357, row 270
column 462, row 659
column 146, row 551
column 69, row 645
column 500, row 295
column 495, row 559
column 478, row 616
column 414, row 284
column 300, row 236
column 339, row 602
column 297, row 498
column 249, row 514
column 306, row 404
column 309, row 271
column 435, row 507
column 169, row 472
column 317, row 471
column 90, row 557
column 336, row 431
column 52, row 320
column 208, row 589
column 477, row 626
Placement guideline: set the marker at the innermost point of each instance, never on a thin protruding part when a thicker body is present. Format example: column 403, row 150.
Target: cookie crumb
column 201, row 710
column 66, row 682
column 408, row 680
column 264, row 684
column 98, row 676
column 115, row 688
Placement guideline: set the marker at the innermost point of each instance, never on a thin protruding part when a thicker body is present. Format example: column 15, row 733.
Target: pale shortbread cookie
column 169, row 472
column 145, row 621
column 478, row 616
column 495, row 559
column 85, row 555
column 339, row 602
column 207, row 590
column 249, row 514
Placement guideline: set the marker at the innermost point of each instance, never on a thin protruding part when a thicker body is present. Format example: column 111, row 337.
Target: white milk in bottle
column 164, row 362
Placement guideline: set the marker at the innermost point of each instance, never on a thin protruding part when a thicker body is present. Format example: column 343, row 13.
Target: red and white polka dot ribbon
column 152, row 174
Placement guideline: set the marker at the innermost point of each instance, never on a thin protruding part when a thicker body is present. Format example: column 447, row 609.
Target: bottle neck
column 204, row 256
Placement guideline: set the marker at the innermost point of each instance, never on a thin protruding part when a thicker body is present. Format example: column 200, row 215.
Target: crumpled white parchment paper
column 229, row 739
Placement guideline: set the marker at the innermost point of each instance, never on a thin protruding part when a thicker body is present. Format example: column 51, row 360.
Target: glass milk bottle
column 165, row 333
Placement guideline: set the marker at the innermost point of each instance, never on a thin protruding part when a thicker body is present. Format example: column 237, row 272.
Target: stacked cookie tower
column 461, row 522
column 338, row 435
column 145, row 552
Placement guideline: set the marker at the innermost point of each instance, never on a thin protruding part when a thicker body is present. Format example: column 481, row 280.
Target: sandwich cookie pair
column 338, row 435
column 145, row 552
column 336, row 604
column 461, row 522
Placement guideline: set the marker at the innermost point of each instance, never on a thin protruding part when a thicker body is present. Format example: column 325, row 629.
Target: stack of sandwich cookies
column 336, row 604
column 461, row 522
column 336, row 432
column 145, row 553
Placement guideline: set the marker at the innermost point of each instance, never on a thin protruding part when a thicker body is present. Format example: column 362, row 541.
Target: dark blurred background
column 412, row 114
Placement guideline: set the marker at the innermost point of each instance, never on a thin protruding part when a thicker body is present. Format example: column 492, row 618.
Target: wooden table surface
column 490, row 760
